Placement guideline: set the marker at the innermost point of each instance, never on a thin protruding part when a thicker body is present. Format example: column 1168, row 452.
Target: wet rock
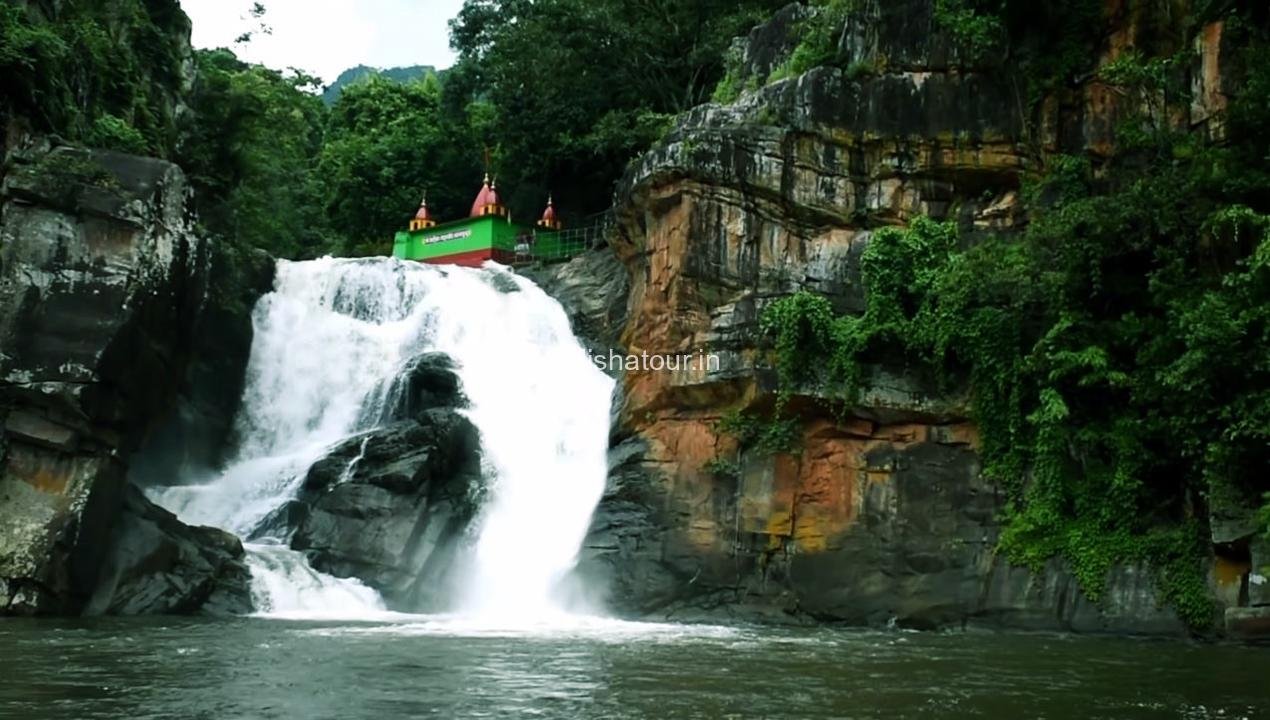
column 1248, row 623
column 57, row 511
column 593, row 290
column 160, row 565
column 390, row 506
column 426, row 381
column 104, row 297
column 621, row 557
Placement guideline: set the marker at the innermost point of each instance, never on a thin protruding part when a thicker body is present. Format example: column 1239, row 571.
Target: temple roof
column 487, row 196
column 422, row 213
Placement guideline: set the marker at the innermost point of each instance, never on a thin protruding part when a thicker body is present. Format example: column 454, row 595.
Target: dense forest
column 1117, row 347
column 557, row 95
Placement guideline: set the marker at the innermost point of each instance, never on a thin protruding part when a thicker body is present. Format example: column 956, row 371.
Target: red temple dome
column 482, row 198
column 423, row 213
column 487, row 202
column 422, row 218
column 549, row 219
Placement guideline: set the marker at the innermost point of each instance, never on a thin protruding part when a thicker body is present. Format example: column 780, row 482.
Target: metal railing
column 549, row 246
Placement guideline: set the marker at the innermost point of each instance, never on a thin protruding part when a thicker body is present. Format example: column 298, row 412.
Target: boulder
column 157, row 564
column 390, row 506
column 104, row 303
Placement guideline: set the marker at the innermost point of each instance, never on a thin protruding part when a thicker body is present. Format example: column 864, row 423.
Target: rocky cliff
column 113, row 314
column 882, row 517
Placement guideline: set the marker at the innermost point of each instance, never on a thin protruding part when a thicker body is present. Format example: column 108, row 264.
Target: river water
column 449, row 668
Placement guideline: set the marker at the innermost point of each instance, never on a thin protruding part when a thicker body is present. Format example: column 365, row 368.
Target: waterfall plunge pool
column 451, row 668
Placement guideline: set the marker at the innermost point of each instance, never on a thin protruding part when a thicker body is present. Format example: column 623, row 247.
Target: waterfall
column 327, row 340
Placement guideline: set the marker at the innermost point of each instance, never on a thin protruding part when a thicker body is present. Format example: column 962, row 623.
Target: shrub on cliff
column 81, row 69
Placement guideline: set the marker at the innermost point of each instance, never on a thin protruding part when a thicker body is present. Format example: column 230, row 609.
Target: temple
column 487, row 233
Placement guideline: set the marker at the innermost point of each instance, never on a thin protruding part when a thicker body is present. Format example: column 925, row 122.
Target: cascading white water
column 330, row 334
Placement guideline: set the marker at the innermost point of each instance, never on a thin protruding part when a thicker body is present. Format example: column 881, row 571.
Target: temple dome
column 487, row 202
column 549, row 219
column 422, row 218
column 423, row 213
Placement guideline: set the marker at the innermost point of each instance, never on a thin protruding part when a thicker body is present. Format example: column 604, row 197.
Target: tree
column 250, row 154
column 386, row 144
column 95, row 72
column 579, row 87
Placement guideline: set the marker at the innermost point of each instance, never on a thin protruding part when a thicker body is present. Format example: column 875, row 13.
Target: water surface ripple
column 416, row 666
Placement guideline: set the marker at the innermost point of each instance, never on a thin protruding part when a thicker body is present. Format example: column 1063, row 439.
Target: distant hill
column 353, row 74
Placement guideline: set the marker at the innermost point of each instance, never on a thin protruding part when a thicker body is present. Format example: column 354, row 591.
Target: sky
column 325, row 37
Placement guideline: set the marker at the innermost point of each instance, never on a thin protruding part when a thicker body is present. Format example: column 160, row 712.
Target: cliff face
column 110, row 305
column 883, row 517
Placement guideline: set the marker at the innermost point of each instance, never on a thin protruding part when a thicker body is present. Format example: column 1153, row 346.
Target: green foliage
column 818, row 45
column 729, row 86
column 581, row 86
column 728, row 90
column 744, row 427
column 363, row 72
column 249, row 154
column 767, row 435
column 723, row 468
column 114, row 133
column 861, row 70
column 780, row 435
column 976, row 26
column 94, row 71
column 110, row 75
column 1116, row 352
column 900, row 267
column 1048, row 45
column 1043, row 46
column 387, row 142
column 1132, row 69
column 1154, row 83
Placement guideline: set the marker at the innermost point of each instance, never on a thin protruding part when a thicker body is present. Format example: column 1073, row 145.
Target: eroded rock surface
column 881, row 517
column 104, row 291
column 391, row 506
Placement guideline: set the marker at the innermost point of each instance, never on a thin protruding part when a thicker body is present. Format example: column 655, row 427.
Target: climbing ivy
column 723, row 468
column 762, row 433
column 114, row 133
column 818, row 42
column 730, row 85
column 811, row 342
column 767, row 434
